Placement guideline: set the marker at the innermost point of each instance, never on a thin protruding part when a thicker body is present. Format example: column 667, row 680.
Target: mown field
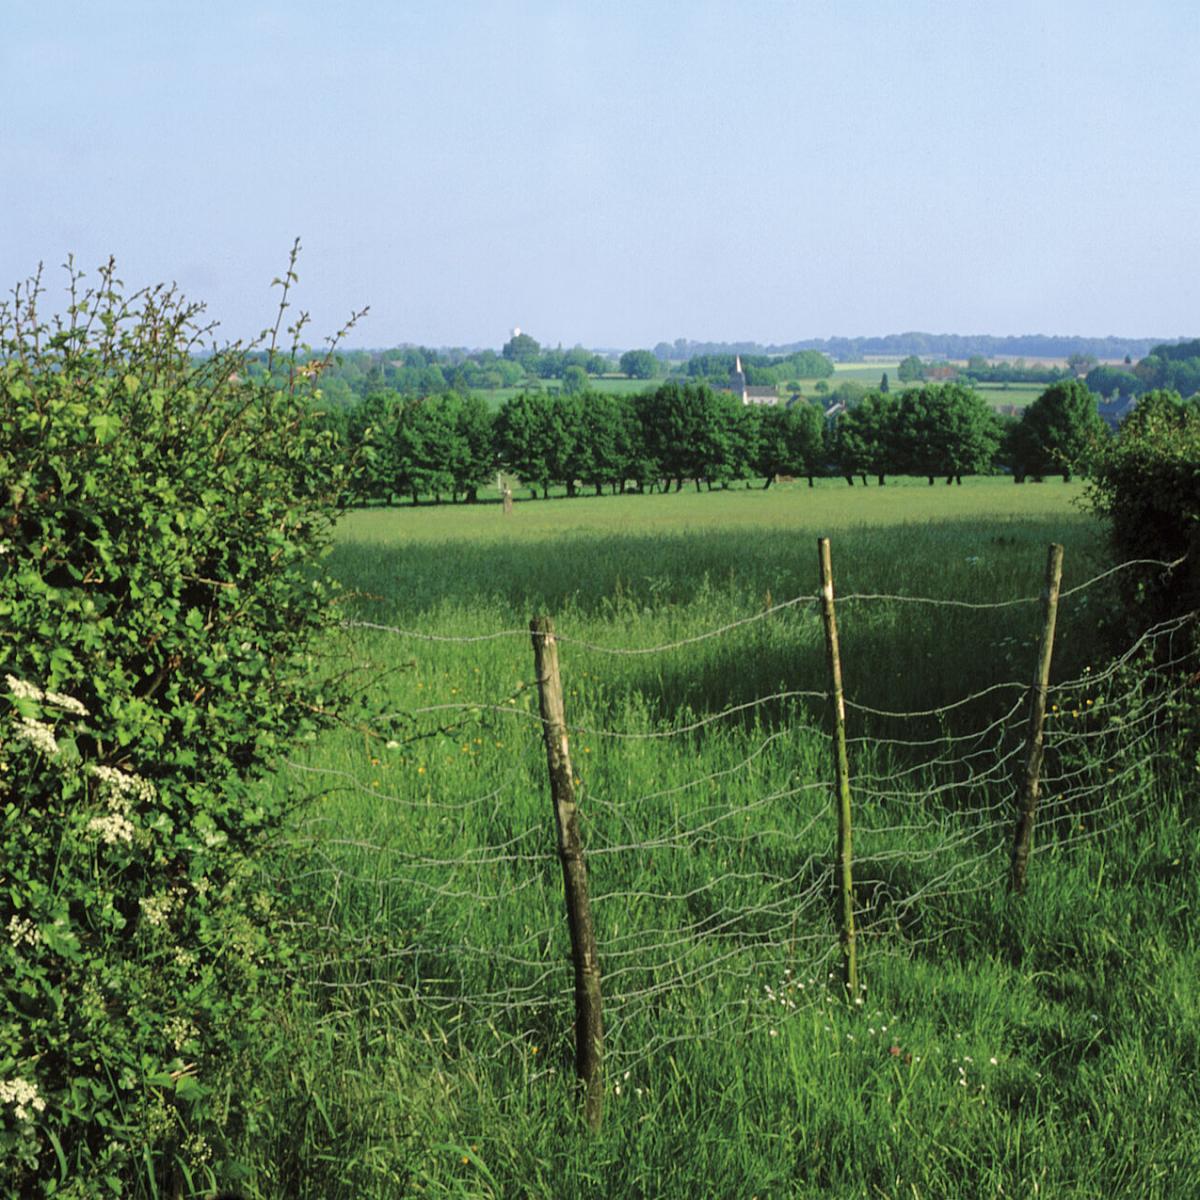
column 868, row 374
column 1047, row 1046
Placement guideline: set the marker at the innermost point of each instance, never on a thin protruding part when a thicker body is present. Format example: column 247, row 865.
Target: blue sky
column 617, row 174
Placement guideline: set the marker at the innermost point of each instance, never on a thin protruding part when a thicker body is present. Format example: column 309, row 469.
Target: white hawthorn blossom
column 38, row 734
column 112, row 828
column 23, row 1096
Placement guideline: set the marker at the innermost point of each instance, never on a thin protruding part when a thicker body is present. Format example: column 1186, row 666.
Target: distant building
column 749, row 395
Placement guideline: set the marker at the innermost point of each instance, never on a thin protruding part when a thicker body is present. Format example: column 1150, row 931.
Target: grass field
column 868, row 374
column 1047, row 1047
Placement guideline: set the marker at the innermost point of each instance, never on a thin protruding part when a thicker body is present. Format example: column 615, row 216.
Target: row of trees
column 450, row 446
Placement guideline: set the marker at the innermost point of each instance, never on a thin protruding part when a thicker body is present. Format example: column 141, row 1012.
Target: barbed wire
column 763, row 614
column 722, row 879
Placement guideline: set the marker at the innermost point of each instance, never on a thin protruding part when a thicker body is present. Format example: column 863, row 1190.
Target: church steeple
column 737, row 379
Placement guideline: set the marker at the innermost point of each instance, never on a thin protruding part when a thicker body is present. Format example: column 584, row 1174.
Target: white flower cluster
column 158, row 910
column 129, row 788
column 38, row 734
column 22, row 1095
column 180, row 1032
column 22, row 930
column 23, row 690
column 121, row 791
column 112, row 828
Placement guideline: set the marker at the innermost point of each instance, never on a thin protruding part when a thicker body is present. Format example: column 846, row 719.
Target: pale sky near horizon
column 617, row 174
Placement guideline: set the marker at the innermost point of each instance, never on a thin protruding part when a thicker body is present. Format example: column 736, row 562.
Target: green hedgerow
column 162, row 513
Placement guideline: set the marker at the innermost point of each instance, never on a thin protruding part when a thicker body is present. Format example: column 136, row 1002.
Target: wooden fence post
column 845, row 856
column 589, row 1020
column 1031, row 784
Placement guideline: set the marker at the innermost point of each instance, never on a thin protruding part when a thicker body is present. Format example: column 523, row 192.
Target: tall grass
column 1047, row 1047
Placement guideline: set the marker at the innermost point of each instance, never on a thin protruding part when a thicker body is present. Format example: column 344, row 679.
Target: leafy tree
column 371, row 433
column 575, row 380
column 475, row 460
column 945, row 429
column 425, row 445
column 521, row 348
column 911, row 369
column 535, row 439
column 1058, row 431
column 1112, row 381
column 864, row 438
column 788, row 441
column 685, row 431
column 525, row 434
column 639, row 364
column 601, row 443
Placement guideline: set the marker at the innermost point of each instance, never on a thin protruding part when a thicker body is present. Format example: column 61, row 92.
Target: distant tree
column 521, row 348
column 639, row 364
column 884, row 386
column 911, row 369
column 371, row 434
column 527, row 439
column 474, row 458
column 602, row 449
column 575, row 380
column 1057, row 432
column 849, row 392
column 686, row 433
column 1080, row 364
column 1112, row 381
column 864, row 439
column 945, row 429
column 426, row 445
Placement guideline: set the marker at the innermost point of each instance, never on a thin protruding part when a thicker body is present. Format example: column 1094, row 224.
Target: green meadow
column 1001, row 1046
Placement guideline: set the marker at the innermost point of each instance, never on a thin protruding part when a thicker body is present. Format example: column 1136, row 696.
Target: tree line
column 450, row 446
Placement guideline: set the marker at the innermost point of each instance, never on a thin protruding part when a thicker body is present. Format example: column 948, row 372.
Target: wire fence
column 711, row 887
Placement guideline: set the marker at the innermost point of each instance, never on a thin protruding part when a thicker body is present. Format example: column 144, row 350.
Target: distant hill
column 936, row 345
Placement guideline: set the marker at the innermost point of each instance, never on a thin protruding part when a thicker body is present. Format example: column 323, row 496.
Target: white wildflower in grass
column 112, row 828
column 196, row 1149
column 66, row 703
column 23, row 931
column 157, row 909
column 116, row 785
column 180, row 1032
column 23, row 1096
column 38, row 734
column 22, row 690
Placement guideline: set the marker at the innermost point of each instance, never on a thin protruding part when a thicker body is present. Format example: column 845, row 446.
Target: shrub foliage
column 1146, row 482
column 160, row 517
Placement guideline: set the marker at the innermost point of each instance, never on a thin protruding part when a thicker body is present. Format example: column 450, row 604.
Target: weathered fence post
column 1031, row 784
column 589, row 1020
column 845, row 856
